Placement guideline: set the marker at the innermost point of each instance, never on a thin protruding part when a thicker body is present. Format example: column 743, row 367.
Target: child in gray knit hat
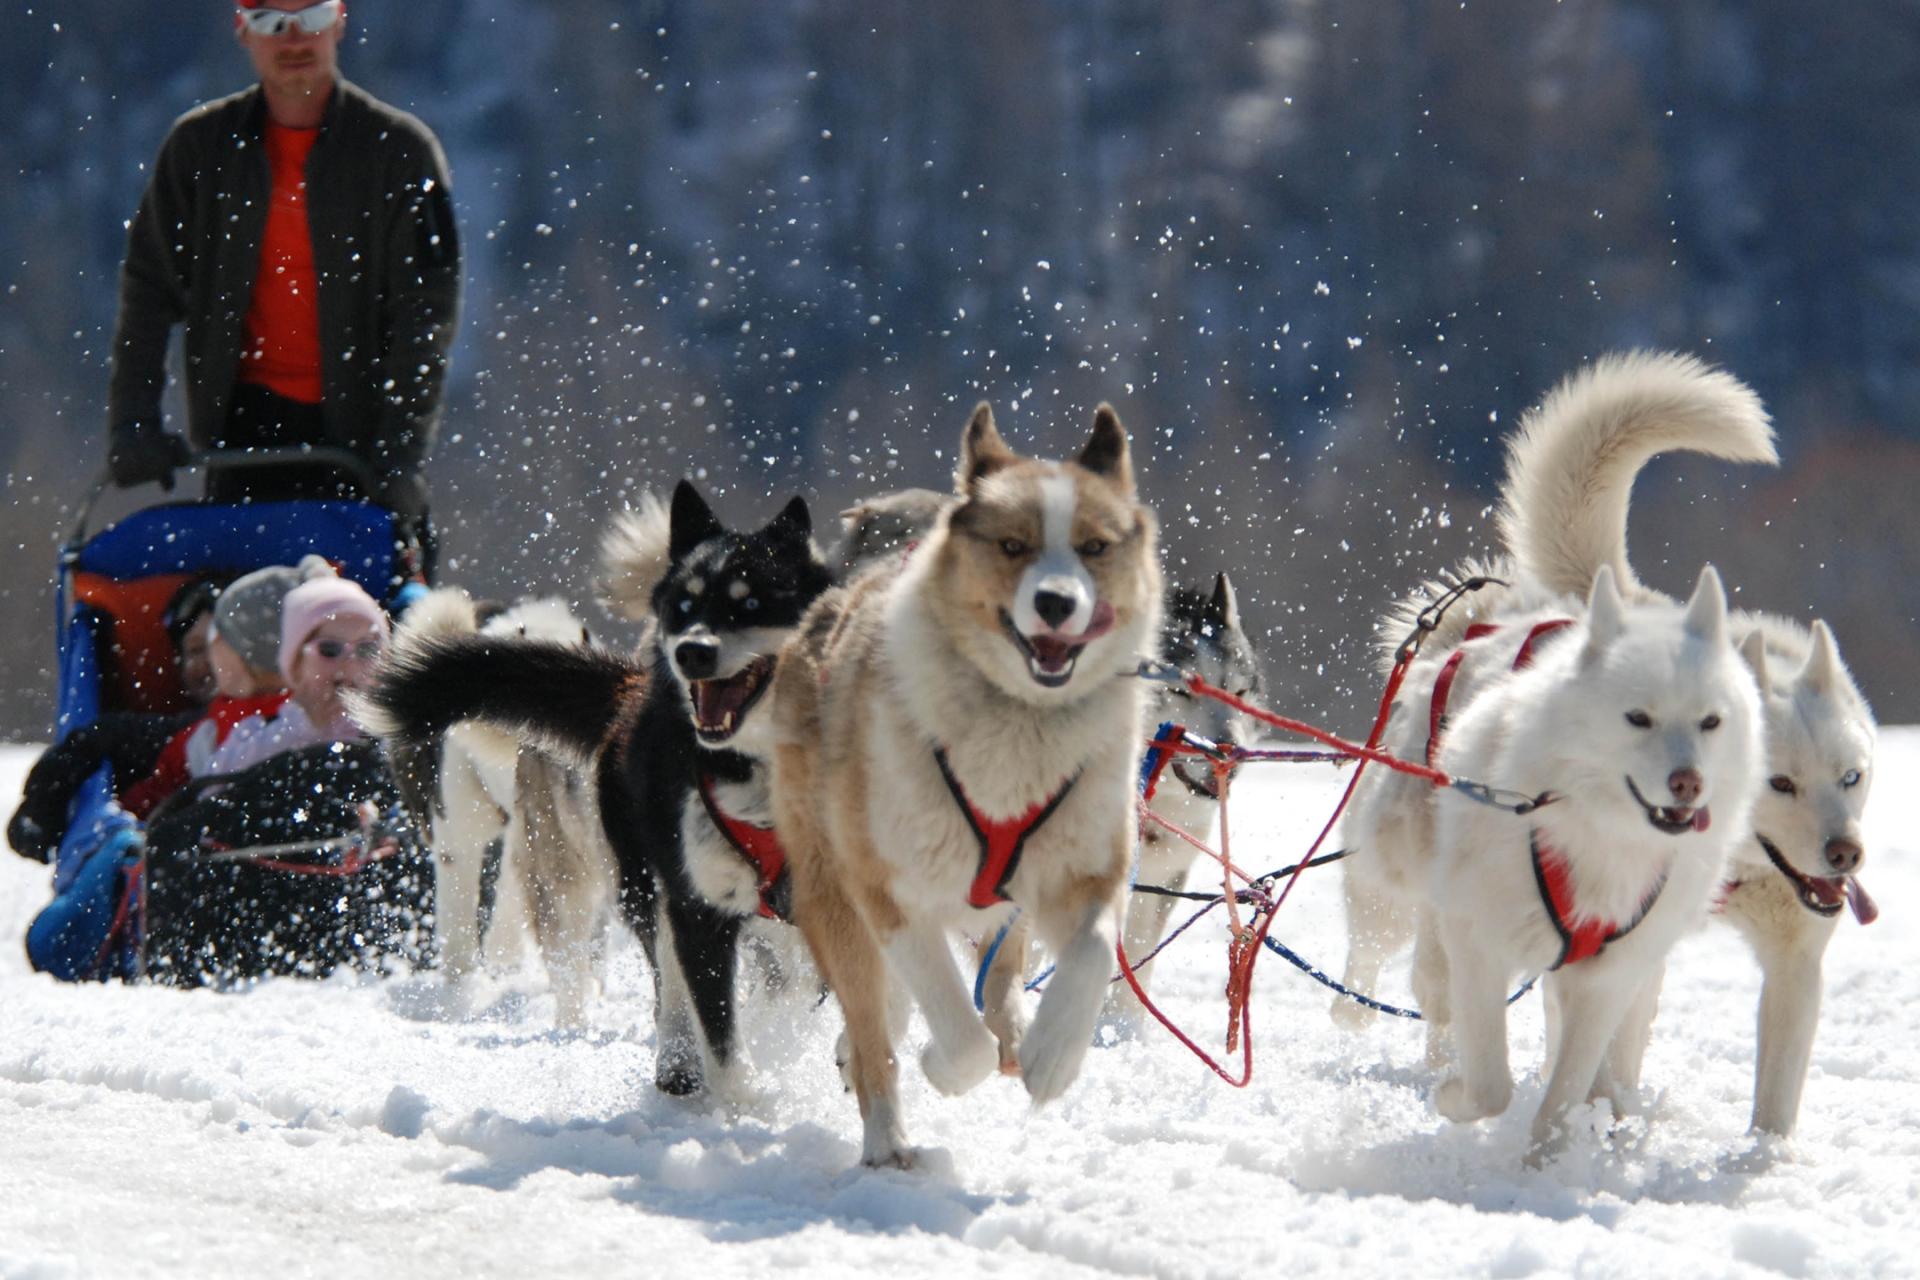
column 246, row 624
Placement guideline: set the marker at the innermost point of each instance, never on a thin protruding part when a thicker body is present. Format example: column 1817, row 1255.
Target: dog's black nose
column 697, row 659
column 1844, row 855
column 1686, row 785
column 1053, row 607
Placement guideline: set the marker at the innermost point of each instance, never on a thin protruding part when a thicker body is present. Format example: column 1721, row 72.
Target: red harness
column 761, row 847
column 1001, row 840
column 1590, row 938
column 1443, row 684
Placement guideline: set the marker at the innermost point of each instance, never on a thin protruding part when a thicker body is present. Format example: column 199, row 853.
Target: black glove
column 143, row 451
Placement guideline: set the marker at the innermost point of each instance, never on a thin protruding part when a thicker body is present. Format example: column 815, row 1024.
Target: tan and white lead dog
column 958, row 736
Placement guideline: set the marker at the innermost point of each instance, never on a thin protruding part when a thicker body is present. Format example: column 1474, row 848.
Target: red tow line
column 1243, row 951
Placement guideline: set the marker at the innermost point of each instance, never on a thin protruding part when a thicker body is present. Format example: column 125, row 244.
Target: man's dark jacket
column 385, row 253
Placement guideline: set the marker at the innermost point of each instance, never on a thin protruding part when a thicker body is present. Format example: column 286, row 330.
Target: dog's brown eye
column 1639, row 719
column 1013, row 546
column 1783, row 784
column 1093, row 547
column 1710, row 724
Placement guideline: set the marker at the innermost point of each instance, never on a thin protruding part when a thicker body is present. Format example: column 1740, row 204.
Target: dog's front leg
column 1618, row 1080
column 1165, row 861
column 851, row 962
column 1789, row 1014
column 1594, row 997
column 1431, row 990
column 1376, row 929
column 706, row 943
column 962, row 1052
column 1002, row 999
column 1057, row 1042
column 676, row 1054
column 1476, row 989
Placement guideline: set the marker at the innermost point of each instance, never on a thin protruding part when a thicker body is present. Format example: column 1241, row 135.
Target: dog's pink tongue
column 1101, row 624
column 1703, row 819
column 1865, row 910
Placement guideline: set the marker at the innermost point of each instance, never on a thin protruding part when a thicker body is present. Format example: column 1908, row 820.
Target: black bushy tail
column 565, row 697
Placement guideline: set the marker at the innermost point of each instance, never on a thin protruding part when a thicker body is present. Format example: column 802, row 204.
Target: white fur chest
column 720, row 873
column 920, row 826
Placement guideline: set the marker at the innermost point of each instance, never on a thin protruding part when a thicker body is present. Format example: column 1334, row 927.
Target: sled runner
column 340, row 878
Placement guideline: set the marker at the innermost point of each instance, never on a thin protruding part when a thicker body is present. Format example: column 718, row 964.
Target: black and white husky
column 673, row 737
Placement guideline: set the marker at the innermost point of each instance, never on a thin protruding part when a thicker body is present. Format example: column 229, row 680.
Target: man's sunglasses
column 312, row 20
column 334, row 650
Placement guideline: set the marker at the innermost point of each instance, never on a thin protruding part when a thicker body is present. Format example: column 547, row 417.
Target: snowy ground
column 343, row 1129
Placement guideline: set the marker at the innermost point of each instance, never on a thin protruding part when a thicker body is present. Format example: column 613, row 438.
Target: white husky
column 556, row 869
column 1584, row 703
column 1565, row 515
column 1644, row 727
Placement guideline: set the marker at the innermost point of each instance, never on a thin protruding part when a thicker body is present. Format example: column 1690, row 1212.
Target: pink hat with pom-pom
column 322, row 594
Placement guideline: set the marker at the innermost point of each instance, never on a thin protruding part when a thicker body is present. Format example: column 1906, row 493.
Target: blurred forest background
column 1321, row 256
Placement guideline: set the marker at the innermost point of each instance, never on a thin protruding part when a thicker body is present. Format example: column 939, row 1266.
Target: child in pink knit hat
column 331, row 634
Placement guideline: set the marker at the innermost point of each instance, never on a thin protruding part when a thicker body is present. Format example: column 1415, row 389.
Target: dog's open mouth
column 1673, row 819
column 1823, row 895
column 1051, row 658
column 1198, row 776
column 720, row 705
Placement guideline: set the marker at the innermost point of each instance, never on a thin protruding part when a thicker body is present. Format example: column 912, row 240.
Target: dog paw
column 1454, row 1100
column 676, row 1071
column 677, row 1082
column 900, row 1158
column 957, row 1068
column 1351, row 1015
column 883, row 1143
column 1051, row 1055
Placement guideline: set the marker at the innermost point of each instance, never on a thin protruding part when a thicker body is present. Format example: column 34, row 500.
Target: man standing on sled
column 302, row 232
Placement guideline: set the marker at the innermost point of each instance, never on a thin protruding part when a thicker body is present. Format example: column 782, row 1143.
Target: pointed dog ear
column 1707, row 608
column 1753, row 651
column 794, row 521
column 1606, row 615
column 691, row 522
column 982, row 451
column 1106, row 450
column 1822, row 670
column 1223, row 610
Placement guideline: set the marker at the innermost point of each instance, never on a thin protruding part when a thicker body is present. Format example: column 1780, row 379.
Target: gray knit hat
column 247, row 615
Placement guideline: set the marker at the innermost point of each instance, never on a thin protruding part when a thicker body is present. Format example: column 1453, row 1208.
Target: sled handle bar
column 236, row 460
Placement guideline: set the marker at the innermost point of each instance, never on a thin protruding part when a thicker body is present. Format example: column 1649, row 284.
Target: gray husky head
column 1200, row 633
column 1820, row 742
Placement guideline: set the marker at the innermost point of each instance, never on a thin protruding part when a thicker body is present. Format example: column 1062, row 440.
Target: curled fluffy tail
column 1571, row 465
column 442, row 612
column 634, row 556
column 563, row 697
